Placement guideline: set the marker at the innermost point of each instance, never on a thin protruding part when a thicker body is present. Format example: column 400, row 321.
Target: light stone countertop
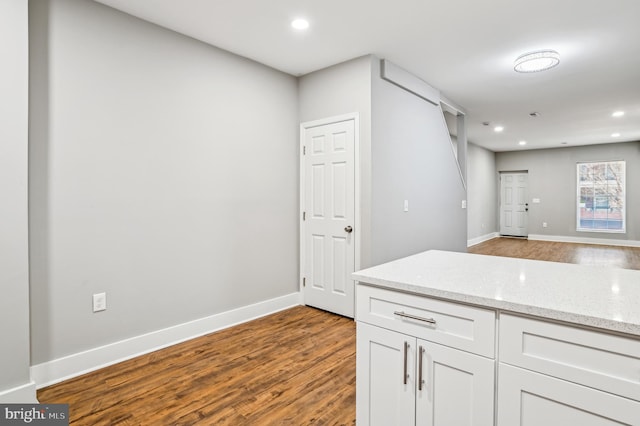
column 602, row 297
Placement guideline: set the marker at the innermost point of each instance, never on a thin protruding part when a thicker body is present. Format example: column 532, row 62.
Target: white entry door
column 514, row 205
column 328, row 227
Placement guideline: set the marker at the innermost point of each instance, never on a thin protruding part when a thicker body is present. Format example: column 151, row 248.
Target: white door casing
column 328, row 228
column 514, row 205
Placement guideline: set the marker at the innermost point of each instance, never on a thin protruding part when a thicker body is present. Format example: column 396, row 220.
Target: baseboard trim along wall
column 24, row 394
column 74, row 365
column 482, row 239
column 585, row 240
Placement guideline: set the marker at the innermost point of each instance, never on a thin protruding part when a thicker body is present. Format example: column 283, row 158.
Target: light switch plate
column 99, row 302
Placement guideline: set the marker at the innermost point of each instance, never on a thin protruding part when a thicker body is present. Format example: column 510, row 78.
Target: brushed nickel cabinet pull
column 420, row 381
column 405, row 376
column 405, row 315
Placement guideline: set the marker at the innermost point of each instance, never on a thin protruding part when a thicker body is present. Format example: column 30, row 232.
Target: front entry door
column 328, row 227
column 514, row 205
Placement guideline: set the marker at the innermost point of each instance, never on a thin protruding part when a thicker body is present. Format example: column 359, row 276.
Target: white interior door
column 514, row 205
column 328, row 228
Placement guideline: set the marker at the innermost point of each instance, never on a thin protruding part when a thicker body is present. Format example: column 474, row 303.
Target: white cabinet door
column 385, row 377
column 526, row 398
column 457, row 389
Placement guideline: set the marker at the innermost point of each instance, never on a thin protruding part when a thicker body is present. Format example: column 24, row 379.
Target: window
column 601, row 197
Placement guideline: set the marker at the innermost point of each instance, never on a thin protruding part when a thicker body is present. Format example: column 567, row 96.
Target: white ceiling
column 465, row 48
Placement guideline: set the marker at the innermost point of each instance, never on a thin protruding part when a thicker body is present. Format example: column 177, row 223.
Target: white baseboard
column 80, row 363
column 482, row 239
column 24, row 394
column 585, row 240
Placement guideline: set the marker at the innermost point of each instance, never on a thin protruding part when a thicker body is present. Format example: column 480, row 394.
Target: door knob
column 348, row 229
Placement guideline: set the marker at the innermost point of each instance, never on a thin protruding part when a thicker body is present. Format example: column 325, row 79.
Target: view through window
column 601, row 196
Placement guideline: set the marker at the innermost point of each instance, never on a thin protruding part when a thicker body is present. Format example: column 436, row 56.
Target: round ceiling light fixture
column 300, row 24
column 537, row 61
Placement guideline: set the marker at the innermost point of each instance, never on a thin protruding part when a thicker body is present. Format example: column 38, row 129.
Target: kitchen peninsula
column 461, row 339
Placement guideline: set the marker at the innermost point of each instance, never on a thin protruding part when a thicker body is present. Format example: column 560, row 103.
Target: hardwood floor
column 295, row 367
column 584, row 254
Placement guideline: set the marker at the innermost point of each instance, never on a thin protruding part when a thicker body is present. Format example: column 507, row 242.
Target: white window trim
column 624, row 204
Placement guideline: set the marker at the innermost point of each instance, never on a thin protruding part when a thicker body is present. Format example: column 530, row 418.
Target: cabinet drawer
column 458, row 326
column 528, row 398
column 591, row 358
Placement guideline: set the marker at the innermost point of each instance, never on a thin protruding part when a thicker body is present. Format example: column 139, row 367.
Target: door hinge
column 304, row 215
column 304, row 282
column 304, row 150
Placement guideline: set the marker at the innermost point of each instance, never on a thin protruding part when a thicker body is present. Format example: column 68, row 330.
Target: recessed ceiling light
column 498, row 129
column 618, row 114
column 522, row 143
column 300, row 24
column 537, row 61
column 563, row 143
column 615, row 135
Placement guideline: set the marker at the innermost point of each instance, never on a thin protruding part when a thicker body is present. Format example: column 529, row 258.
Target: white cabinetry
column 529, row 398
column 405, row 376
column 560, row 375
column 568, row 351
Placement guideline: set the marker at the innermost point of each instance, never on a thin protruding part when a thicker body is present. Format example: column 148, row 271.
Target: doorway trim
column 301, row 184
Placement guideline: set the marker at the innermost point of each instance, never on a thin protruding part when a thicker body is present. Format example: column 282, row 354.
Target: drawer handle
column 405, row 315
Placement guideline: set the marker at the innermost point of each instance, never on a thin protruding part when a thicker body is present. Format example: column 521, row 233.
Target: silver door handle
column 404, row 315
column 348, row 229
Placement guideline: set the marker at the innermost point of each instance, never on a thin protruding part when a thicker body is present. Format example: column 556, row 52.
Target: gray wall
column 14, row 269
column 482, row 192
column 341, row 89
column 552, row 178
column 412, row 159
column 405, row 153
column 163, row 171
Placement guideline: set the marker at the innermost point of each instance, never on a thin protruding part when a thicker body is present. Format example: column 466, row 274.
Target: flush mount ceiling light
column 618, row 114
column 300, row 24
column 537, row 61
column 522, row 143
column 615, row 135
column 498, row 129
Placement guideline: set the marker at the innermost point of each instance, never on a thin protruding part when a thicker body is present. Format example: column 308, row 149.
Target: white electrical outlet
column 406, row 205
column 99, row 302
column 544, row 224
column 464, row 204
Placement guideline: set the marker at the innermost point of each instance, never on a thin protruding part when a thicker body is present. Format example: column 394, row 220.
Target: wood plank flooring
column 295, row 367
column 584, row 254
